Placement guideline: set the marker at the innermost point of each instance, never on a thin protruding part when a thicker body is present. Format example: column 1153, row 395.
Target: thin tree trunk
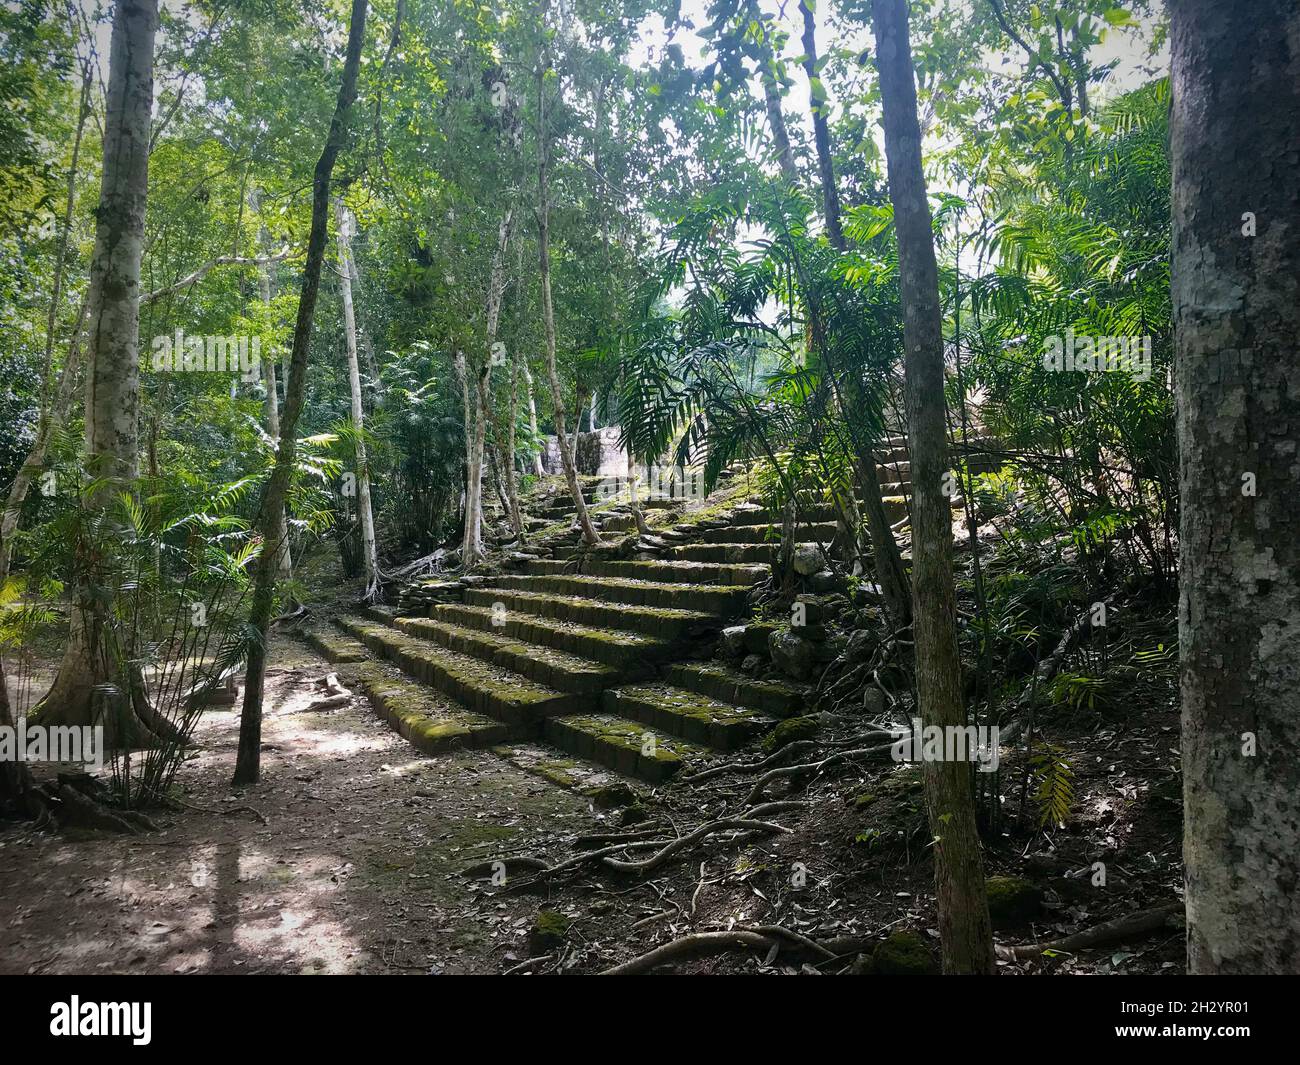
column 508, row 459
column 780, row 134
column 462, row 373
column 369, row 554
column 472, row 549
column 271, row 407
column 538, row 468
column 112, row 387
column 1236, row 318
column 821, row 129
column 964, row 929
column 589, row 534
column 890, row 570
column 248, row 761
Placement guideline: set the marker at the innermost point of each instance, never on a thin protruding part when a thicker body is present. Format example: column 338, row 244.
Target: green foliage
column 1053, row 783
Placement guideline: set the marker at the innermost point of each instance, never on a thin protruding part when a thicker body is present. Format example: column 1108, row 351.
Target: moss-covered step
column 758, row 554
column 334, row 647
column 729, row 685
column 713, row 599
column 385, row 615
column 664, row 572
column 894, row 471
column 814, row 515
column 678, row 572
column 480, row 686
column 762, row 533
column 546, row 665
column 579, row 775
column 629, row 747
column 614, row 648
column 665, row 622
column 427, row 719
column 687, row 714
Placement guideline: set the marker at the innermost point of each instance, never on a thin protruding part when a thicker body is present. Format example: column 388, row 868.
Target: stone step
column 383, row 614
column 689, row 715
column 817, row 515
column 894, row 470
column 661, row 571
column 764, row 533
column 547, row 665
column 628, row 747
column 665, row 622
column 733, row 553
column 334, row 647
column 714, row 599
column 480, row 686
column 613, row 648
column 428, row 720
column 728, row 685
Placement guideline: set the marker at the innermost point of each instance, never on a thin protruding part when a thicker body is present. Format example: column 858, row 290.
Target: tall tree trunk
column 472, row 548
column 112, row 387
column 538, row 468
column 821, row 128
column 890, row 570
column 369, row 554
column 508, row 459
column 248, row 761
column 271, row 406
column 780, row 134
column 1236, row 260
column 964, row 929
column 462, row 373
column 589, row 534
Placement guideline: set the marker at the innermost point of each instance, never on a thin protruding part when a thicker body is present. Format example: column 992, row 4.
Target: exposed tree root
column 664, row 849
column 767, row 778
column 764, row 939
column 798, row 747
column 1142, row 923
column 723, row 824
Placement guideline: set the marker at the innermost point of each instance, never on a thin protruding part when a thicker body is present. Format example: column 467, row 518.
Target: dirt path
column 354, row 871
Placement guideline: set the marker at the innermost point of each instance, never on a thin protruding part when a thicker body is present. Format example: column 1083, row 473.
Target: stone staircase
column 603, row 664
column 605, row 659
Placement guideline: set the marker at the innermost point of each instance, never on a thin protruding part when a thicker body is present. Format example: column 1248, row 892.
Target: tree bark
column 112, row 386
column 890, row 571
column 472, row 547
column 248, row 760
column 508, row 459
column 589, row 534
column 538, row 468
column 369, row 555
column 1235, row 131
column 964, row 929
column 271, row 407
column 821, row 130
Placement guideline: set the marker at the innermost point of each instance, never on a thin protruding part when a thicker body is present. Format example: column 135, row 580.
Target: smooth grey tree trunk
column 964, row 930
column 271, row 407
column 476, row 439
column 369, row 556
column 589, row 534
column 112, row 385
column 1236, row 297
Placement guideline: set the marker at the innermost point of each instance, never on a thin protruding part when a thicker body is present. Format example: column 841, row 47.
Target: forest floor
column 348, row 857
